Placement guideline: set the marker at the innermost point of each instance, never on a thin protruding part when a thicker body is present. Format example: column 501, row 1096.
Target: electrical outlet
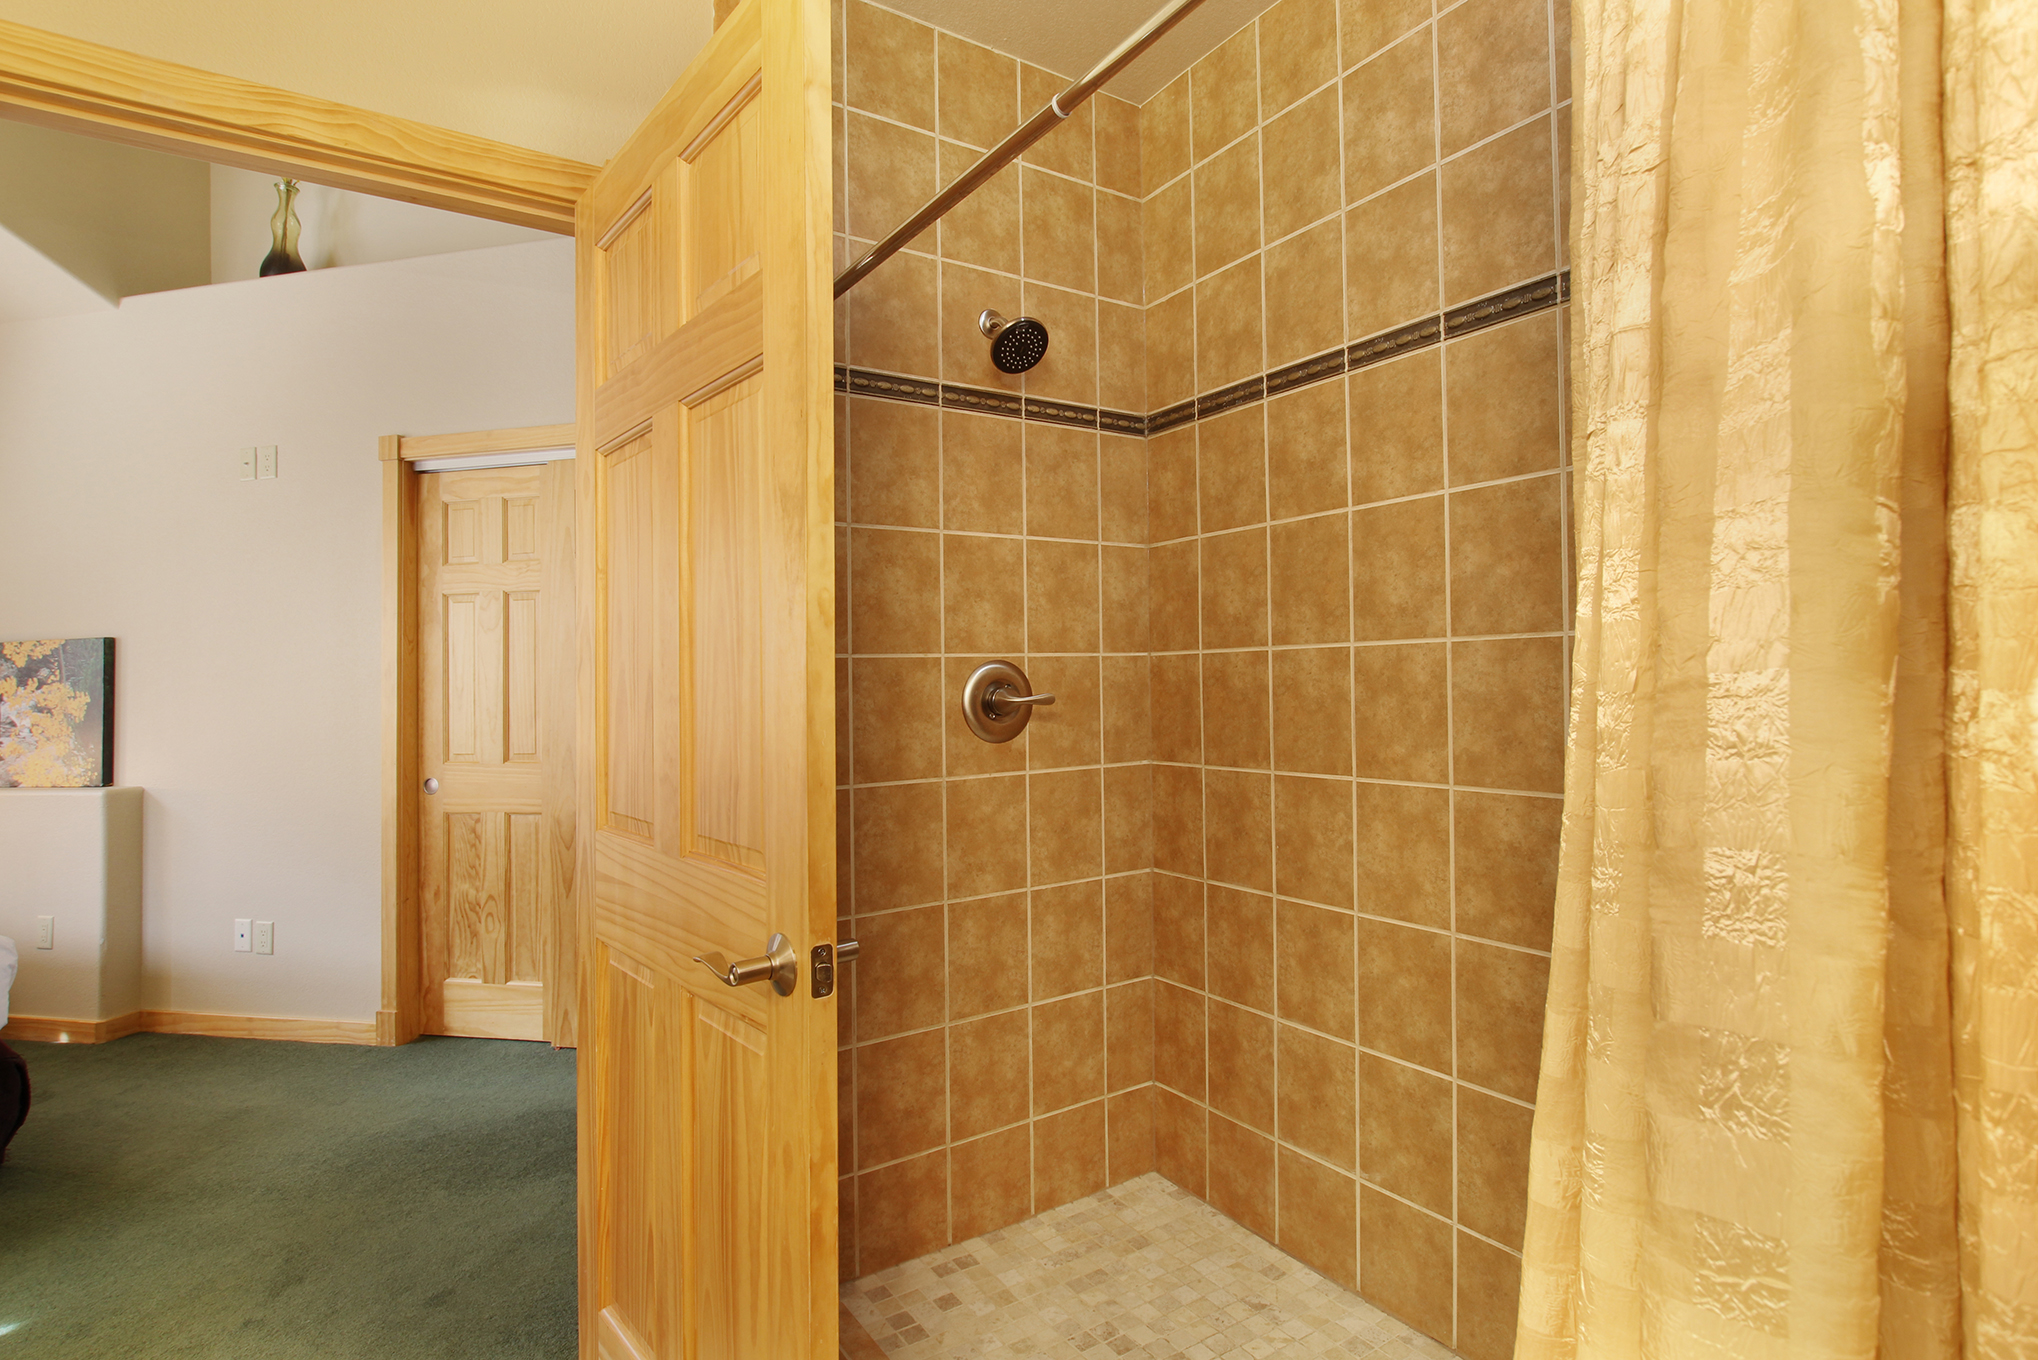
column 45, row 932
column 244, row 933
column 265, row 461
column 248, row 464
column 265, row 937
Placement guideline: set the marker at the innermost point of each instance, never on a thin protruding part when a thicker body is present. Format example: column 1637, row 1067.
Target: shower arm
column 1015, row 143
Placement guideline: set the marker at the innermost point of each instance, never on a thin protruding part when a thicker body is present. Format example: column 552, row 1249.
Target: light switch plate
column 265, row 461
column 265, row 937
column 244, row 934
column 248, row 464
column 45, row 932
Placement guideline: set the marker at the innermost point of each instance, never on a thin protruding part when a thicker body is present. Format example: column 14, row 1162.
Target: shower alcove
column 1210, row 1006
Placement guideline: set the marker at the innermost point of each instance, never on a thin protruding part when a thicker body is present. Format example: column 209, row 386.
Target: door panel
column 707, row 1203
column 488, row 890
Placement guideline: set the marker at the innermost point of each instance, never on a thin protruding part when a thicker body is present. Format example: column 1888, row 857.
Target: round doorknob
column 431, row 786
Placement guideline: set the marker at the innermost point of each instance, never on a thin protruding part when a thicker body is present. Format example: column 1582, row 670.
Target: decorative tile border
column 1521, row 300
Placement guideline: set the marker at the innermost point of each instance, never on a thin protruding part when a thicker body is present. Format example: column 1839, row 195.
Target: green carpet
column 178, row 1197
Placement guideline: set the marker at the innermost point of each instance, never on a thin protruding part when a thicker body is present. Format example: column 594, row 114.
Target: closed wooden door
column 490, row 636
column 707, row 1177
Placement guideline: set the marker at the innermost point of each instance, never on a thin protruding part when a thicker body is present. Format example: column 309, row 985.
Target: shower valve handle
column 1008, row 696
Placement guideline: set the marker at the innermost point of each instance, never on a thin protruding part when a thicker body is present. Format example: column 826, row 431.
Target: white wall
column 338, row 227
column 248, row 613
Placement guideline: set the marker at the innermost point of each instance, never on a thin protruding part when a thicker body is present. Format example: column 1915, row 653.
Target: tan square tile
column 1128, row 1015
column 1122, row 476
column 1121, row 265
column 1399, row 727
column 843, row 729
column 1171, row 350
column 903, row 991
column 1306, row 451
column 1228, row 342
column 1065, row 825
column 982, row 1056
column 1061, row 481
column 1178, row 1039
column 897, row 833
column 1238, row 836
column 1320, row 1217
column 1128, row 927
column 895, row 453
column 983, row 229
column 1405, row 993
column 1068, row 939
column 978, row 863
column 1314, row 968
column 1068, row 1053
column 1405, row 1132
column 979, row 92
column 1125, row 600
column 1121, row 386
column 1313, row 832
column 901, row 1096
column 984, row 935
column 1242, row 1065
column 1489, row 1299
column 902, row 1211
column 1128, row 721
column 1178, row 728
column 1397, row 429
column 1390, row 118
column 1398, row 570
column 1500, row 1042
column 1507, row 562
column 1404, row 848
column 1061, row 243
column 1178, row 929
column 841, row 470
column 1164, row 135
column 992, row 1185
column 1130, row 1134
column 1224, row 93
column 1061, row 597
column 1305, row 280
column 1300, row 149
column 1242, row 1175
column 1298, row 50
column 1068, row 1156
column 1309, row 590
column 891, row 65
column 1236, row 726
column 1231, row 464
column 1493, row 59
column 1181, row 1141
column 1172, row 484
column 1067, row 149
column 979, row 492
column 1507, row 702
column 1068, row 372
column 897, row 705
column 1128, row 818
column 1499, row 220
column 1505, row 387
column 1117, row 145
column 1506, row 848
column 1178, row 819
column 1493, row 1165
column 1391, row 258
column 1234, row 589
column 1318, row 1092
column 983, row 595
column 1241, row 930
column 1228, row 206
column 1366, row 26
column 1400, row 1255
column 895, row 318
column 891, row 173
column 1169, row 230
column 1312, row 691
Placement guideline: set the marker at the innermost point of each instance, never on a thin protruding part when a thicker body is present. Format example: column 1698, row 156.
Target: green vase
column 282, row 257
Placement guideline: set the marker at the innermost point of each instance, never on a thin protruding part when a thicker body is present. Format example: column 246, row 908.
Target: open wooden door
column 707, row 1133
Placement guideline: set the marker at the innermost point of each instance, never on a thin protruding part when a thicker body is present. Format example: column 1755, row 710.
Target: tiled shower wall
column 1359, row 634
column 997, row 1039
column 1355, row 652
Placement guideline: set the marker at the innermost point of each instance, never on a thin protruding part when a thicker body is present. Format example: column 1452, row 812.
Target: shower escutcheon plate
column 998, row 700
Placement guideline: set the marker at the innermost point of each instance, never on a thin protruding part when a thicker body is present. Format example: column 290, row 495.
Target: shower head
column 1016, row 345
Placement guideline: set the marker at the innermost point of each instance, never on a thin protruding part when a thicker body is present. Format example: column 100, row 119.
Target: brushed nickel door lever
column 779, row 965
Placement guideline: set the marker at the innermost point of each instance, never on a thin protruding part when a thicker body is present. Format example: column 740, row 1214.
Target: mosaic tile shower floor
column 1143, row 1269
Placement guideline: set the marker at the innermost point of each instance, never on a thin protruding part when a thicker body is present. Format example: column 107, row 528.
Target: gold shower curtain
column 1789, row 1096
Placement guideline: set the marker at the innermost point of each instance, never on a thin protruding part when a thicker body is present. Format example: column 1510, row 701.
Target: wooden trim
column 44, row 1029
column 77, row 86
column 412, row 447
column 400, row 1018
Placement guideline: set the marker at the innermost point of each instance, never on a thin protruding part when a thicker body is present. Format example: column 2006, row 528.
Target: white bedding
column 8, row 961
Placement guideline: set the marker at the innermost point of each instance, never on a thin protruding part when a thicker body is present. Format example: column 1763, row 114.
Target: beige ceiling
column 1070, row 36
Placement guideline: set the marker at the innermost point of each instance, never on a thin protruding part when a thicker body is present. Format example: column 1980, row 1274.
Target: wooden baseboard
column 45, row 1029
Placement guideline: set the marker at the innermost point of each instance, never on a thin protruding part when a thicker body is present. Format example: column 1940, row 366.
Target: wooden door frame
column 401, row 1015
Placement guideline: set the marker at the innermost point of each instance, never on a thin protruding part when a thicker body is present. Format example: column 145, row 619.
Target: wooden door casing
column 705, row 773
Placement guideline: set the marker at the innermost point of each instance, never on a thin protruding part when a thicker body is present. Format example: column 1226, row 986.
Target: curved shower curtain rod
column 1014, row 145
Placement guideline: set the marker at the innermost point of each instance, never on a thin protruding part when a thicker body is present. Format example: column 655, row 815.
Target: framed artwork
column 56, row 713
